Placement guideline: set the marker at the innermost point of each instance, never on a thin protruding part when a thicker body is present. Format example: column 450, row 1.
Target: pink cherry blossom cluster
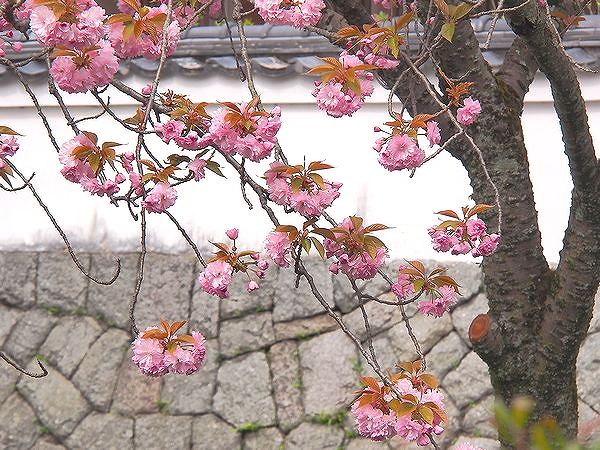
column 77, row 156
column 218, row 273
column 309, row 198
column 378, row 422
column 351, row 257
column 244, row 130
column 439, row 290
column 469, row 237
column 298, row 13
column 400, row 152
column 336, row 97
column 278, row 247
column 148, row 41
column 156, row 352
column 174, row 130
column 8, row 147
column 160, row 198
column 387, row 4
column 84, row 59
column 467, row 114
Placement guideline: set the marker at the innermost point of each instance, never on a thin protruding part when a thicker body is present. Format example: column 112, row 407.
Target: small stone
column 98, row 372
column 19, row 428
column 469, row 382
column 589, row 424
column 363, row 444
column 309, row 436
column 327, row 376
column 8, row 382
column 58, row 404
column 28, row 334
column 244, row 391
column 60, row 284
column 242, row 302
column 17, row 278
column 381, row 317
column 263, row 439
column 428, row 330
column 588, row 368
column 479, row 418
column 487, row 444
column 446, row 356
column 111, row 303
column 166, row 291
column 193, row 394
column 249, row 333
column 10, row 316
column 69, row 341
column 159, row 432
column 205, row 313
column 303, row 328
column 103, row 432
column 211, row 433
column 287, row 383
column 291, row 303
column 47, row 443
column 135, row 393
column 465, row 313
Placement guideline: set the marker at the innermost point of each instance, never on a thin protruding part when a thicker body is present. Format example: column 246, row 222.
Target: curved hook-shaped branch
column 62, row 234
column 23, row 371
column 18, row 188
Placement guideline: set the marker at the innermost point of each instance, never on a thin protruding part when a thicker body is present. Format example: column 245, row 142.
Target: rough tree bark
column 537, row 317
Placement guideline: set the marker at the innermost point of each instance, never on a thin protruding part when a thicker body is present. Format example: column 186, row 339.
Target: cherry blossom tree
column 537, row 316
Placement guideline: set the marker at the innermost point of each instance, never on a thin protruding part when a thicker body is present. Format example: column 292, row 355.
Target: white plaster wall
column 209, row 207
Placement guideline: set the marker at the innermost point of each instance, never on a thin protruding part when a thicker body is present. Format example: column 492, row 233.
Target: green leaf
column 306, row 245
column 448, row 31
column 318, row 246
column 214, row 166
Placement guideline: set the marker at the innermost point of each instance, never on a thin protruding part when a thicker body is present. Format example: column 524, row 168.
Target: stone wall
column 278, row 373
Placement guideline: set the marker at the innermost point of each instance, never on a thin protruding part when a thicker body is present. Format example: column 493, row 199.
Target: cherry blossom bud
column 147, row 90
column 232, row 234
column 255, row 256
column 376, row 129
column 262, row 264
column 252, row 286
column 119, row 178
column 259, row 273
column 334, row 268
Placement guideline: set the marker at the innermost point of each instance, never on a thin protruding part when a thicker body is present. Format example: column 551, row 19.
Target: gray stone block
column 160, row 432
column 469, row 382
column 327, row 375
column 135, row 393
column 102, row 432
column 309, row 436
column 28, row 334
column 244, row 391
column 291, row 303
column 19, row 428
column 249, row 333
column 69, row 341
column 211, row 433
column 60, row 284
column 111, row 303
column 97, row 374
column 166, row 292
column 287, row 383
column 18, row 271
column 57, row 403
